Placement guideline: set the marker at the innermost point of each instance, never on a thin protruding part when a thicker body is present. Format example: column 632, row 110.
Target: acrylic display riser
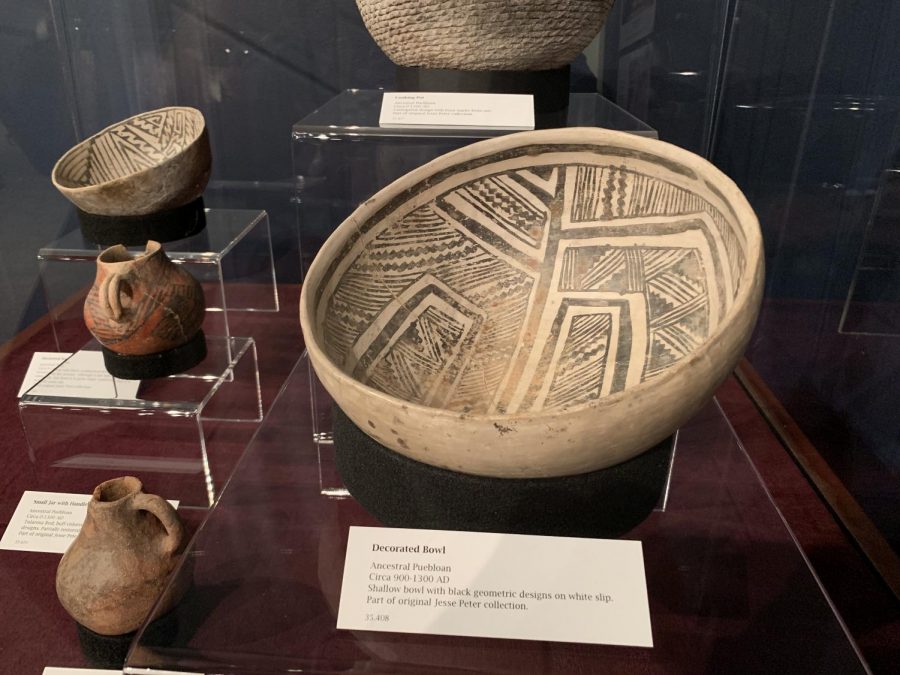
column 342, row 156
column 872, row 306
column 231, row 258
column 173, row 433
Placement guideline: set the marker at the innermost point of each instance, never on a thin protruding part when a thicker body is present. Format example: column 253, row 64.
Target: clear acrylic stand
column 330, row 482
column 342, row 156
column 165, row 429
column 232, row 259
column 872, row 306
column 354, row 113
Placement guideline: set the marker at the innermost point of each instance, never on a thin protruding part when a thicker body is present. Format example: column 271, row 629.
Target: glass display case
column 798, row 103
column 814, row 151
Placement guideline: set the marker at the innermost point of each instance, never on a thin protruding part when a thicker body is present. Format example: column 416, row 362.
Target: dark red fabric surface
column 35, row 631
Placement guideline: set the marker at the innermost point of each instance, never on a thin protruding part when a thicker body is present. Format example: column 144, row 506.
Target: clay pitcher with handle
column 142, row 304
column 119, row 564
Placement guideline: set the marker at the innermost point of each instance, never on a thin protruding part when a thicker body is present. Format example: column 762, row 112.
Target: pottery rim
column 732, row 195
column 119, row 255
column 115, row 490
column 76, row 190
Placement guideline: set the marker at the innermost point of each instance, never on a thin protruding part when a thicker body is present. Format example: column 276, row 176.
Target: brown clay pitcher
column 118, row 565
column 142, row 304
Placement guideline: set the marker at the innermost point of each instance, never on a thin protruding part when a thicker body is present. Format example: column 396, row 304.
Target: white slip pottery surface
column 541, row 304
column 151, row 162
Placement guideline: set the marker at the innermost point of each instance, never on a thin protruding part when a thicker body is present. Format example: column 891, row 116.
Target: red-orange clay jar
column 142, row 304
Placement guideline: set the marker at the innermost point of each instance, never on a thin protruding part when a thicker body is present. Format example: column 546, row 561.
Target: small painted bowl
column 541, row 304
column 155, row 161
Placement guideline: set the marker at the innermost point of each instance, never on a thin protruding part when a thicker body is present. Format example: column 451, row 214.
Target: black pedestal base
column 550, row 88
column 162, row 226
column 402, row 492
column 161, row 364
column 109, row 651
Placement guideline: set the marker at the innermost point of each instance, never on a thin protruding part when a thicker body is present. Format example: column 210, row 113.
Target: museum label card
column 441, row 110
column 495, row 585
column 46, row 522
column 82, row 376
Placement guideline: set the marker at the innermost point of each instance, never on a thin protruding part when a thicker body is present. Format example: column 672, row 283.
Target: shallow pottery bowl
column 484, row 34
column 542, row 304
column 151, row 162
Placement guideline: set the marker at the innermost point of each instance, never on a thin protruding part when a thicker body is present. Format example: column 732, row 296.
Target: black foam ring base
column 160, row 364
column 170, row 225
column 402, row 492
column 109, row 651
column 550, row 88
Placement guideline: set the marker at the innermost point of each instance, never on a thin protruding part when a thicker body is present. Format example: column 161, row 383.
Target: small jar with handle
column 143, row 304
column 120, row 563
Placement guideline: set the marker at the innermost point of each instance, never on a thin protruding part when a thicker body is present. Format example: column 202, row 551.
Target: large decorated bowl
column 541, row 304
column 155, row 161
column 484, row 34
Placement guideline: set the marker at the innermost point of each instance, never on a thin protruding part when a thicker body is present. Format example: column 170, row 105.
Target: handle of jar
column 108, row 294
column 160, row 508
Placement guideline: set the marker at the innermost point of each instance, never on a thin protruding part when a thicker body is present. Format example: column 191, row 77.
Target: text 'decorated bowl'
column 151, row 162
column 484, row 34
column 542, row 304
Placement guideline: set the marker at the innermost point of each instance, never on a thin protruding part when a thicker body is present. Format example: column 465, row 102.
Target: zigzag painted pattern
column 671, row 281
column 137, row 144
column 420, row 354
column 582, row 363
column 495, row 297
column 613, row 192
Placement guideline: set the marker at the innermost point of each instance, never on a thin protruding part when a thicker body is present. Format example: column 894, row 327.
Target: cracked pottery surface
column 154, row 161
column 119, row 564
column 542, row 304
column 142, row 304
column 484, row 34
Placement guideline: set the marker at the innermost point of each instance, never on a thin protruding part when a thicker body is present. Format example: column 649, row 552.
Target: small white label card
column 82, row 376
column 495, row 585
column 442, row 110
column 47, row 522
